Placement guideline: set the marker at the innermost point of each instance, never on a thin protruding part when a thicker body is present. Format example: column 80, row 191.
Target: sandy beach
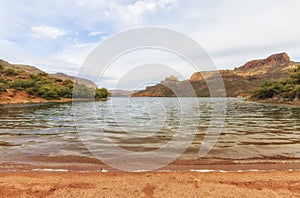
column 173, row 184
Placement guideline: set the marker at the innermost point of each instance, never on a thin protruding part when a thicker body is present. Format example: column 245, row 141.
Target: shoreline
column 274, row 102
column 184, row 184
column 94, row 165
column 44, row 101
column 86, row 177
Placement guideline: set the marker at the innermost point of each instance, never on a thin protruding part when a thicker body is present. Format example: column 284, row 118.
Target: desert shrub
column 2, row 80
column 10, row 72
column 42, row 74
column 49, row 92
column 32, row 90
column 285, row 88
column 66, row 92
column 101, row 93
column 81, row 91
column 52, row 88
column 269, row 89
column 21, row 84
column 297, row 91
column 296, row 75
column 44, row 81
column 3, row 87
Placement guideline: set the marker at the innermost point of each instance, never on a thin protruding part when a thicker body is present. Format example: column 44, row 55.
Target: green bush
column 2, row 80
column 49, row 92
column 43, row 74
column 81, row 91
column 296, row 76
column 285, row 88
column 21, row 84
column 3, row 87
column 52, row 88
column 10, row 72
column 32, row 91
column 101, row 93
column 297, row 91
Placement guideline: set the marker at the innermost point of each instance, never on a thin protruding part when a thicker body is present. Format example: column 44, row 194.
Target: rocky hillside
column 240, row 82
column 25, row 84
column 285, row 90
column 274, row 67
column 82, row 81
column 120, row 93
column 19, row 67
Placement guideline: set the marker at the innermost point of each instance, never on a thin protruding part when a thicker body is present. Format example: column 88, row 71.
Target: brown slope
column 82, row 81
column 241, row 81
column 120, row 93
column 274, row 67
column 19, row 67
column 33, row 70
column 9, row 73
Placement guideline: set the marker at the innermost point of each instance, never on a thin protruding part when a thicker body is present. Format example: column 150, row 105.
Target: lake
column 109, row 130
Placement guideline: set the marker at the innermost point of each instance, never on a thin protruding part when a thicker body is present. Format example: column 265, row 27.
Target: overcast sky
column 58, row 35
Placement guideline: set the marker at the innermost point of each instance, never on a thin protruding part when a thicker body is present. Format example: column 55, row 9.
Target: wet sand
column 178, row 179
column 174, row 184
column 90, row 164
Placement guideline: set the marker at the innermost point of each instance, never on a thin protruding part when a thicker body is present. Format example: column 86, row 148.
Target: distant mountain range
column 240, row 82
column 120, row 93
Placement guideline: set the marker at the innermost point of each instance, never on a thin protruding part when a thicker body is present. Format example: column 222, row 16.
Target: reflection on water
column 251, row 130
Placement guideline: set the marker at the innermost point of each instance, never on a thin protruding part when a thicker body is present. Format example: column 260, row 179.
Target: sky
column 58, row 35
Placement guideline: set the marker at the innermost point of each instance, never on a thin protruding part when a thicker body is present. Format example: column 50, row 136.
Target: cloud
column 75, row 53
column 132, row 13
column 231, row 31
column 96, row 33
column 46, row 32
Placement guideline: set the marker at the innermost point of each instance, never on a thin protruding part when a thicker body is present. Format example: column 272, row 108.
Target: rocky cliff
column 240, row 82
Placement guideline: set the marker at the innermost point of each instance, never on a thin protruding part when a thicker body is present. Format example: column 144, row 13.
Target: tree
column 101, row 93
column 49, row 92
column 296, row 75
column 284, row 88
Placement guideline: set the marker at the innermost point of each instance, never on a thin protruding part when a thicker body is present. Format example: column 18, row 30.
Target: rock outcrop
column 240, row 82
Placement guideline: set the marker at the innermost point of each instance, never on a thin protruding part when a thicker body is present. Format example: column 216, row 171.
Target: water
column 251, row 131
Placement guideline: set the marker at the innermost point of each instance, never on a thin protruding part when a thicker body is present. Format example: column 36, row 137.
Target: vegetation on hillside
column 288, row 88
column 44, row 86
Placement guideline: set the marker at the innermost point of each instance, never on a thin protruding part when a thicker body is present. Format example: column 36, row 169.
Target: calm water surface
column 251, row 131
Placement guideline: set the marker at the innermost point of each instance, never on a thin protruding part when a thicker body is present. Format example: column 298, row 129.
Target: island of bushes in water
column 280, row 91
column 23, row 87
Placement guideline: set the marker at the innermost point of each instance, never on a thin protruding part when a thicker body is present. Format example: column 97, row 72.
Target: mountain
column 120, row 93
column 274, row 67
column 78, row 80
column 33, row 70
column 26, row 68
column 285, row 90
column 28, row 84
column 240, row 82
